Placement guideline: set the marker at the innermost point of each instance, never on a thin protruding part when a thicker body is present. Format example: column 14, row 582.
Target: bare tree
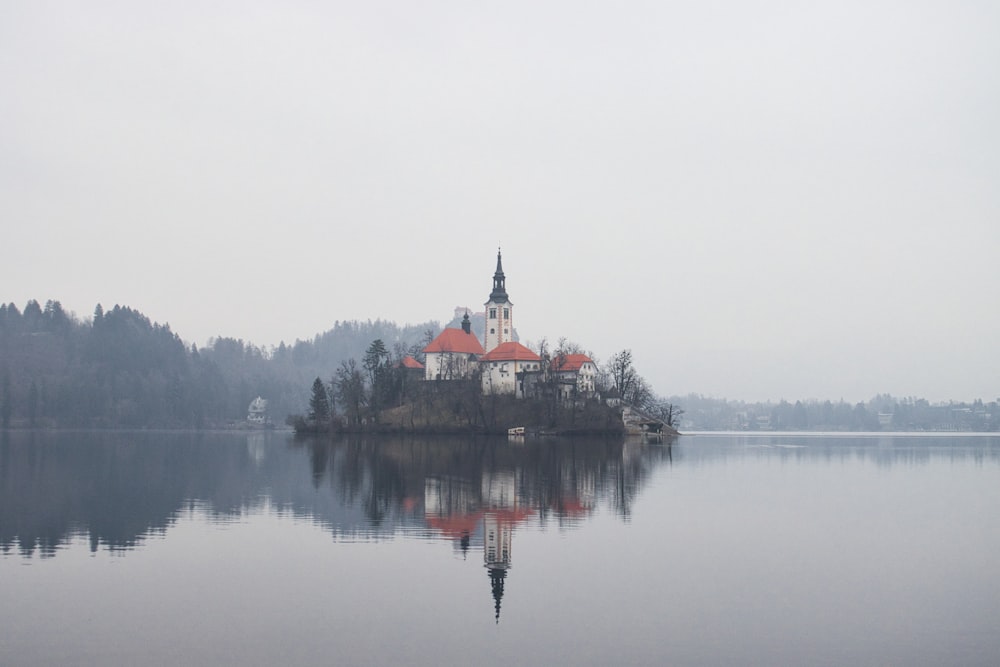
column 350, row 389
column 662, row 409
column 622, row 373
column 640, row 393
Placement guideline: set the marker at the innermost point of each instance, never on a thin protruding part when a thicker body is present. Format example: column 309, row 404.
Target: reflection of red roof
column 572, row 507
column 454, row 526
column 455, row 340
column 569, row 362
column 511, row 352
column 410, row 362
column 511, row 517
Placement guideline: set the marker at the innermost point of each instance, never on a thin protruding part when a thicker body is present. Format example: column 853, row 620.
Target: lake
column 124, row 548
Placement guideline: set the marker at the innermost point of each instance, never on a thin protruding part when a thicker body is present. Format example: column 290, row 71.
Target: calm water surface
column 207, row 549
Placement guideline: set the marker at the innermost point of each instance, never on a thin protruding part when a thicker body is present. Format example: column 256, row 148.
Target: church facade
column 504, row 365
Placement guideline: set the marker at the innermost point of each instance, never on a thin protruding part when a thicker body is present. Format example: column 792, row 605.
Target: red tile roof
column 511, row 352
column 569, row 362
column 455, row 340
column 410, row 362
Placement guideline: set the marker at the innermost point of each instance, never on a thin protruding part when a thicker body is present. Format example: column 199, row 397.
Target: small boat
column 517, row 430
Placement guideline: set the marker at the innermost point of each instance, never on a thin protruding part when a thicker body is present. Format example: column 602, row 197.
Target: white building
column 257, row 412
column 453, row 355
column 499, row 312
column 505, row 366
column 575, row 375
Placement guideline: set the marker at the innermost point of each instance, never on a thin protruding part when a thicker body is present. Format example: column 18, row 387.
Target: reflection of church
column 503, row 511
column 477, row 495
column 487, row 515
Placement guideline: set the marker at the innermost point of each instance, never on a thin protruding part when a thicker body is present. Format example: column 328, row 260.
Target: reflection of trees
column 115, row 488
column 561, row 477
column 637, row 461
column 112, row 488
column 386, row 492
column 357, row 472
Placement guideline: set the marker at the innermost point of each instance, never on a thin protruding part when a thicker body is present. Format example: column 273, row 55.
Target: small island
column 455, row 383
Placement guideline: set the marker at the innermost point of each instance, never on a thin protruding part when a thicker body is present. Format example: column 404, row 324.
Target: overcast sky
column 762, row 200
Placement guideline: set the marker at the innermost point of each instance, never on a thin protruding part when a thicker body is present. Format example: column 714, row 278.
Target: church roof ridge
column 511, row 351
column 455, row 340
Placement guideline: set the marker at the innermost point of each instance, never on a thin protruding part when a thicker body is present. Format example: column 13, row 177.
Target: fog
column 762, row 200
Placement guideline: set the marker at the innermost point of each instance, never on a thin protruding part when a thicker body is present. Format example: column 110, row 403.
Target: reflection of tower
column 499, row 494
column 496, row 554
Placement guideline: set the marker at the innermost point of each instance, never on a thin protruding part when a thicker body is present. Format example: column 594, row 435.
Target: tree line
column 118, row 369
column 882, row 412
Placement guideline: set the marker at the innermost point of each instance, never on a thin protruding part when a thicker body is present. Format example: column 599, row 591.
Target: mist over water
column 209, row 548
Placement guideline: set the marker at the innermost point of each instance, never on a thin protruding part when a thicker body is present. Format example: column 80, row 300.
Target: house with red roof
column 411, row 364
column 453, row 355
column 506, row 367
column 575, row 375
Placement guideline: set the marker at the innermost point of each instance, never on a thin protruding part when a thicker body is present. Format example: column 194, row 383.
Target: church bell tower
column 499, row 323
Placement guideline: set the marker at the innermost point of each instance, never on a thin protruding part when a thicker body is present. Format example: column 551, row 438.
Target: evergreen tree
column 376, row 363
column 319, row 404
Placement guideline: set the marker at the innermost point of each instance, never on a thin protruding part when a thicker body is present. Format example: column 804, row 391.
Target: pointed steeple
column 497, row 576
column 499, row 309
column 497, row 535
column 466, row 323
column 499, row 293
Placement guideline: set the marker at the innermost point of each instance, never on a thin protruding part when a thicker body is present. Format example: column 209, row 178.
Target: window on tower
column 506, row 313
column 493, row 313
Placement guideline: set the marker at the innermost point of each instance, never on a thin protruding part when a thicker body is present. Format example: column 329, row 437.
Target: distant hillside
column 881, row 413
column 119, row 369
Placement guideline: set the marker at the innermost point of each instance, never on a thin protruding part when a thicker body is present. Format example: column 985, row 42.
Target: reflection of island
column 111, row 490
column 115, row 488
column 520, row 484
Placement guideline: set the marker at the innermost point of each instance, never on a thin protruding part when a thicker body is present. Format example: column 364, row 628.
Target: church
column 504, row 365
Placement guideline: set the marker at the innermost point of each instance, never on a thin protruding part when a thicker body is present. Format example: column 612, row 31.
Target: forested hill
column 120, row 370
